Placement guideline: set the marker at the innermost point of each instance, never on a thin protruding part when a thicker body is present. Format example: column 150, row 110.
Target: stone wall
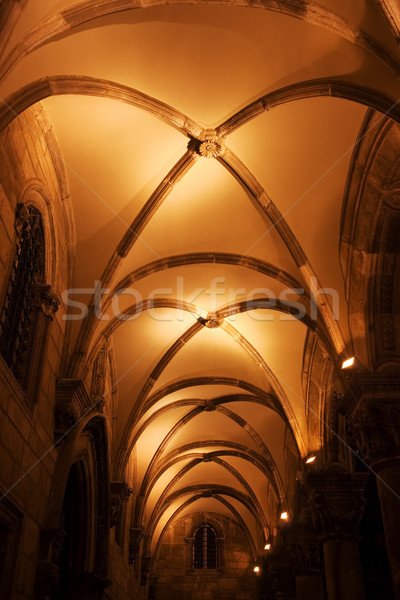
column 233, row 580
column 27, row 455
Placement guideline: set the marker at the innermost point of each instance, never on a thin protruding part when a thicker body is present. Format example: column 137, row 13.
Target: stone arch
column 76, row 536
column 369, row 245
column 66, row 20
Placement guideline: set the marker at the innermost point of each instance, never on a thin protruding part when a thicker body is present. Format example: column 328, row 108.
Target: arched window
column 27, row 298
column 205, row 548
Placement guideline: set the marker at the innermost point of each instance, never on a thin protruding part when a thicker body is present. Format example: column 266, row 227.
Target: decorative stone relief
column 211, row 148
column 99, row 377
column 375, row 430
column 119, row 492
column 279, row 573
column 336, row 501
column 211, row 322
column 22, row 220
column 135, row 537
column 72, row 400
column 372, row 409
column 46, row 299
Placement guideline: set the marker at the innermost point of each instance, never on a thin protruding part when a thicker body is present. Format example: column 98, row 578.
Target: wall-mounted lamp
column 267, row 546
column 256, row 569
column 284, row 516
column 349, row 362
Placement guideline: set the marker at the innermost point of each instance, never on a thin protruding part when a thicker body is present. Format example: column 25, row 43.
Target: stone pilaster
column 336, row 502
column 372, row 409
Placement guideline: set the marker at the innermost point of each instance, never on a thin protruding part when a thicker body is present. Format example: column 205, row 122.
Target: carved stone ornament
column 135, row 537
column 337, row 503
column 304, row 548
column 375, row 431
column 119, row 491
column 210, row 148
column 22, row 220
column 211, row 322
column 46, row 299
column 99, row 376
column 279, row 573
column 372, row 409
column 72, row 400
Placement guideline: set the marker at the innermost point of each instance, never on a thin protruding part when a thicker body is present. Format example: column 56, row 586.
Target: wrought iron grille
column 19, row 316
column 205, row 548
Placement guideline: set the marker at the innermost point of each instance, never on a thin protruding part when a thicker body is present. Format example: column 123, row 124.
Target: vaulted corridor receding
column 199, row 300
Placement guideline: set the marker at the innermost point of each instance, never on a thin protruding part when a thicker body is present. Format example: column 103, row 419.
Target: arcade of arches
column 199, row 224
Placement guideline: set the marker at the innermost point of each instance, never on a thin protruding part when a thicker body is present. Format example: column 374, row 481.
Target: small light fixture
column 267, row 546
column 284, row 516
column 310, row 459
column 256, row 569
column 348, row 363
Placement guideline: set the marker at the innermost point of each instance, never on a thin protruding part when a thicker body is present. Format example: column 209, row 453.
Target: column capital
column 364, row 387
column 336, row 501
column 304, row 548
column 279, row 572
column 372, row 409
column 119, row 492
column 135, row 537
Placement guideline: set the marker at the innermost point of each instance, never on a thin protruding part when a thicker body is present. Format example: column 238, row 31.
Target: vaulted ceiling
column 206, row 148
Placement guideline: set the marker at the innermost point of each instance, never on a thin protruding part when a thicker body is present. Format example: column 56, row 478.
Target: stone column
column 336, row 501
column 372, row 408
column 305, row 550
column 278, row 574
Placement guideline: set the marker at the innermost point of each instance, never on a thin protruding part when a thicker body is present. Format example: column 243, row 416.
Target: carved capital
column 279, row 573
column 135, row 537
column 372, row 408
column 304, row 548
column 375, row 431
column 72, row 400
column 46, row 299
column 336, row 501
column 119, row 492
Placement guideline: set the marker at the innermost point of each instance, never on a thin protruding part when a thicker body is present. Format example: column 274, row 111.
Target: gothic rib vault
column 205, row 157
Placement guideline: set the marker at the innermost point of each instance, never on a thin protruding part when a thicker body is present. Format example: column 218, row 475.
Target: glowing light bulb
column 348, row 363
column 256, row 569
column 267, row 546
column 310, row 460
column 284, row 516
